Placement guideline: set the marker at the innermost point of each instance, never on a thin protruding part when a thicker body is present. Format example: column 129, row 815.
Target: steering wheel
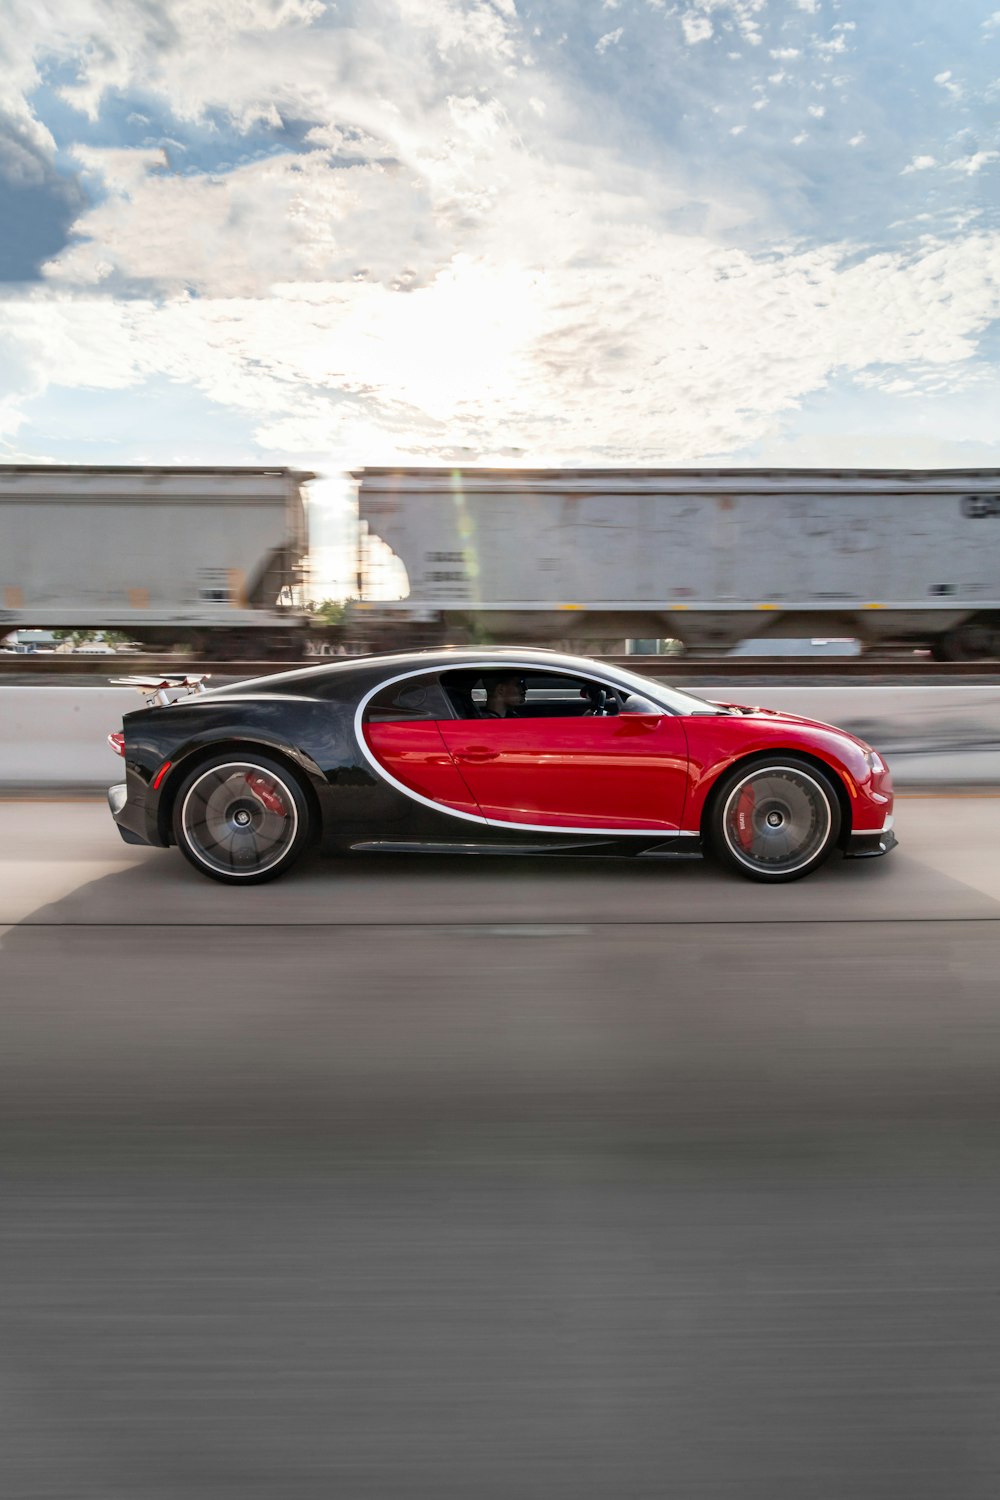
column 598, row 702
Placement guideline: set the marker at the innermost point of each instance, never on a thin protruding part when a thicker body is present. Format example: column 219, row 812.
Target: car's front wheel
column 241, row 819
column 774, row 820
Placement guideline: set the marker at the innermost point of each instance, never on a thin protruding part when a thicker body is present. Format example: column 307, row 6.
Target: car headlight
column 874, row 762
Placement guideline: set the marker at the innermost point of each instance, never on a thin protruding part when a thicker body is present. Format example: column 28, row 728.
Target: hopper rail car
column 216, row 562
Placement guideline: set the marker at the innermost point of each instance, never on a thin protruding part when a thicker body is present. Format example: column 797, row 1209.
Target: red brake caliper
column 744, row 816
column 267, row 793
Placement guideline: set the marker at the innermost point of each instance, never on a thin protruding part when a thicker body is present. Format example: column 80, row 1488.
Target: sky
column 330, row 233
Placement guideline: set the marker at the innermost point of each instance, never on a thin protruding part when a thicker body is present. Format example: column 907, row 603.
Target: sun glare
column 465, row 337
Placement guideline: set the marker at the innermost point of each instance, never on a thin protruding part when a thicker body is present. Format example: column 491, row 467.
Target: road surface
column 424, row 1177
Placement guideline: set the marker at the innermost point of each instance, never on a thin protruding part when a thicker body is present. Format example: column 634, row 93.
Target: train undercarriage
column 948, row 635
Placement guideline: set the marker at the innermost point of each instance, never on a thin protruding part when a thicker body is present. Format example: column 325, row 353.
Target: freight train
column 218, row 559
column 213, row 560
column 709, row 557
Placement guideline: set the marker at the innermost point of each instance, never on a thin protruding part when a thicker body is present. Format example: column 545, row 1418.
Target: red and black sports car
column 490, row 751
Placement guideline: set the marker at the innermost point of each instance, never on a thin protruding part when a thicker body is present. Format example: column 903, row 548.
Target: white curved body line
column 478, row 818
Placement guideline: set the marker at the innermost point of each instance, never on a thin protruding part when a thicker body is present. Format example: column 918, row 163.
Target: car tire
column 774, row 820
column 241, row 819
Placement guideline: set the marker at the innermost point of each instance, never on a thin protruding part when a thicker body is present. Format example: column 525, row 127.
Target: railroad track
column 98, row 669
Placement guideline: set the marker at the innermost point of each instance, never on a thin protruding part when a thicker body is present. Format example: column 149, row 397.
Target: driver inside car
column 505, row 693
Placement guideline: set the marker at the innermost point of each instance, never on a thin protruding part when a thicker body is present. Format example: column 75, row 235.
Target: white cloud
column 857, row 140
column 817, row 111
column 919, row 164
column 738, row 15
column 457, row 258
column 945, row 81
column 610, row 39
column 810, row 6
column 801, row 138
column 697, row 349
column 281, row 218
column 697, row 28
column 173, row 52
column 970, row 165
column 782, row 53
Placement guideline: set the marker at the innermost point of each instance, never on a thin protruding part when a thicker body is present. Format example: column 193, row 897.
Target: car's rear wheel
column 241, row 819
column 774, row 820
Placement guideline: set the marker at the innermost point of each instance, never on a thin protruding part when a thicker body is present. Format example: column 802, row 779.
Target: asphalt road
column 407, row 1177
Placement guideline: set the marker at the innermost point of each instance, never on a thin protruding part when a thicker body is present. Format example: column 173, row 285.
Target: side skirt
column 441, row 846
column 681, row 848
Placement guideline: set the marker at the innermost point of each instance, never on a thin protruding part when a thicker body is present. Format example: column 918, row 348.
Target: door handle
column 478, row 753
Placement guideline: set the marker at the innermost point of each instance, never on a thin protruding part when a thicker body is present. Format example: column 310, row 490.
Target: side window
column 555, row 697
column 548, row 696
column 413, row 698
column 465, row 693
column 540, row 695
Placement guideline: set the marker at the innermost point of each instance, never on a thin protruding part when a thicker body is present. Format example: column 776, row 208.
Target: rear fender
column 302, row 766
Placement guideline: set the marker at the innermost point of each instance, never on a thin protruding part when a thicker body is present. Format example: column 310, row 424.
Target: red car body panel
column 631, row 772
column 418, row 758
column 717, row 742
column 628, row 772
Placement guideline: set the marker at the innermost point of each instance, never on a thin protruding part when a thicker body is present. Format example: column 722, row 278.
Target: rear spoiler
column 156, row 689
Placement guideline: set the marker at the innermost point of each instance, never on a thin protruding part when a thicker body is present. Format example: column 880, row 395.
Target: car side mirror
column 636, row 704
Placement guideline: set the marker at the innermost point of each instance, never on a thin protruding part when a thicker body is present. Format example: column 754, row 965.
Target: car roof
column 437, row 658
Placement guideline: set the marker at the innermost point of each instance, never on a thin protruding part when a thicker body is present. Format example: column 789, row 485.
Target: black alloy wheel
column 774, row 820
column 241, row 819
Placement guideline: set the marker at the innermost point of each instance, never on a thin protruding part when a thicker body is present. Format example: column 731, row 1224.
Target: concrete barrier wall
column 53, row 736
column 933, row 735
column 57, row 736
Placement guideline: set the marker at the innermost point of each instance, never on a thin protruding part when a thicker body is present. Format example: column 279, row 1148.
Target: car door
column 402, row 733
column 623, row 773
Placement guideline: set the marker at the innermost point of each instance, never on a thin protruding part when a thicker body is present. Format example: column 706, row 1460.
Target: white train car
column 707, row 556
column 210, row 557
